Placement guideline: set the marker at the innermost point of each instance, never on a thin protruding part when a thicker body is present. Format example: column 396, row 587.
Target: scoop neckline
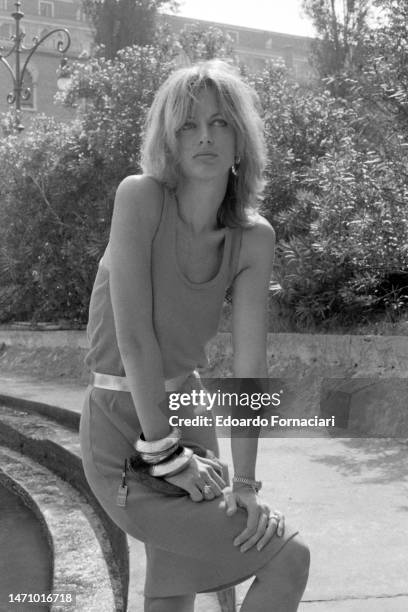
column 226, row 248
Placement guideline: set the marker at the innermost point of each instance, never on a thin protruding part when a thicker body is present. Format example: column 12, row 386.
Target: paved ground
column 348, row 497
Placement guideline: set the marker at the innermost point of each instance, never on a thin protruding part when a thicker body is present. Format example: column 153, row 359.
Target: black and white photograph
column 203, row 306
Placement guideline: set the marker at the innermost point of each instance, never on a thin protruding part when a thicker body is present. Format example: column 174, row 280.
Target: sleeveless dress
column 189, row 545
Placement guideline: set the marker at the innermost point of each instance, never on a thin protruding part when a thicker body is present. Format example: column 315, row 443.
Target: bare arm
column 136, row 215
column 249, row 329
column 249, row 326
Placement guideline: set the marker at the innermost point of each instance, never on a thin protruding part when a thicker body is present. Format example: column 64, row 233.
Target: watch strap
column 256, row 485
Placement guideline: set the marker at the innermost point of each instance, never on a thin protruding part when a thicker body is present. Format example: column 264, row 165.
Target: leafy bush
column 338, row 172
column 356, row 239
column 53, row 223
column 302, row 124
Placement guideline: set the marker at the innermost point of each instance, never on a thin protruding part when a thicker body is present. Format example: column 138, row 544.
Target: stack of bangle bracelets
column 165, row 457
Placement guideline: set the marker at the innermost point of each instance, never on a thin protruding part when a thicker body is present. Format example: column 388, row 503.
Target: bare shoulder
column 258, row 242
column 139, row 197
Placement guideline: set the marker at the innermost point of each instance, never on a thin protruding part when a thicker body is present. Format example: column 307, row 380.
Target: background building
column 40, row 16
column 254, row 46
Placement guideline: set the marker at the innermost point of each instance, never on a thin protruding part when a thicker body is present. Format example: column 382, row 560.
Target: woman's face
column 206, row 141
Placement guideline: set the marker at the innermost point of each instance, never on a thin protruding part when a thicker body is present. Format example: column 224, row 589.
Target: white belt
column 120, row 383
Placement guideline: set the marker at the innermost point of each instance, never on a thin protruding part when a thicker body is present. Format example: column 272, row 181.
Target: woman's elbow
column 136, row 347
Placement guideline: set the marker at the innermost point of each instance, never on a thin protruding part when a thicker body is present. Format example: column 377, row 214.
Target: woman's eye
column 188, row 125
column 221, row 122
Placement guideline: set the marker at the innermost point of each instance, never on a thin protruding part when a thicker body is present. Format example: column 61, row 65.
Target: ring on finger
column 207, row 490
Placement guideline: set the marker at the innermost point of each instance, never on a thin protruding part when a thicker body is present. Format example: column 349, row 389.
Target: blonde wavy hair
column 239, row 104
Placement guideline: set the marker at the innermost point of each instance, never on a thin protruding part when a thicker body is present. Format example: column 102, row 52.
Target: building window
column 189, row 27
column 303, row 71
column 56, row 40
column 28, row 83
column 46, row 9
column 288, row 56
column 234, row 35
column 80, row 14
column 49, row 43
column 6, row 30
column 3, row 5
column 258, row 63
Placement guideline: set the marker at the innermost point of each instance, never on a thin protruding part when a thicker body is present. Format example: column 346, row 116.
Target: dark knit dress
column 189, row 545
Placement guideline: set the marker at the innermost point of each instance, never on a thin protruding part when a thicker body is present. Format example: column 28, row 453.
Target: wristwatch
column 256, row 485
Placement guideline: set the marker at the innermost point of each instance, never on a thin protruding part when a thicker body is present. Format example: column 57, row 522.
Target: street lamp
column 21, row 93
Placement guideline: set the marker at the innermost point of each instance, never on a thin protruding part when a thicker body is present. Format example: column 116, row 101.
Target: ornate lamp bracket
column 19, row 92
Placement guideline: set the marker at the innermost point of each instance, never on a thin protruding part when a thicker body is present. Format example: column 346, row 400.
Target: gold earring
column 235, row 165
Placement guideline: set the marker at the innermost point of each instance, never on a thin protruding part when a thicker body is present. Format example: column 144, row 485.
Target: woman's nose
column 205, row 135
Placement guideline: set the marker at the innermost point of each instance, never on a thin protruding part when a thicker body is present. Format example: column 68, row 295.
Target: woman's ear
column 235, row 165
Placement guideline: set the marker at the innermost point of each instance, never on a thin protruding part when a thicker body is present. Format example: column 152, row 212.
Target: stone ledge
column 64, row 417
column 36, row 339
column 57, row 448
column 364, row 354
column 207, row 602
column 321, row 355
column 79, row 566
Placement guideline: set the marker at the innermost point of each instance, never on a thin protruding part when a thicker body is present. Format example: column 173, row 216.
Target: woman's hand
column 261, row 524
column 201, row 479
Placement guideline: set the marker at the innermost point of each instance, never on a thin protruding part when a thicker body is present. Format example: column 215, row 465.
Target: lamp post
column 20, row 93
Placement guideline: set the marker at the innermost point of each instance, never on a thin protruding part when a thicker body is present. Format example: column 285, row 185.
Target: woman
column 181, row 234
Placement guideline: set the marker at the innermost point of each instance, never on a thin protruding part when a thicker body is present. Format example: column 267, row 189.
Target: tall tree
column 341, row 27
column 122, row 23
column 384, row 79
column 366, row 61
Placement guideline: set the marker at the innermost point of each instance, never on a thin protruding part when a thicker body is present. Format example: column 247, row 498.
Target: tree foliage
column 382, row 82
column 365, row 60
column 50, row 223
column 57, row 183
column 337, row 179
column 344, row 250
column 338, row 204
column 123, row 23
column 341, row 27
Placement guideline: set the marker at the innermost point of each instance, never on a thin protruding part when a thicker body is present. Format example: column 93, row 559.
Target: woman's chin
column 207, row 174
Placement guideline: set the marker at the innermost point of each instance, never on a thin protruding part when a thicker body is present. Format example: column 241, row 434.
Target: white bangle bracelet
column 158, row 446
column 174, row 465
column 153, row 458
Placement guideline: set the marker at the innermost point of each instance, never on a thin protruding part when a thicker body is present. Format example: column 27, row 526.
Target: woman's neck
column 198, row 204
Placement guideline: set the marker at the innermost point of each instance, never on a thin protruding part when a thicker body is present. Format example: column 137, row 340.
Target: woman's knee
column 296, row 557
column 293, row 561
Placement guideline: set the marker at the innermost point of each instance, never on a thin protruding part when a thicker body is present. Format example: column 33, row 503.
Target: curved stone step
column 79, row 567
column 24, row 537
column 56, row 448
column 47, row 432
